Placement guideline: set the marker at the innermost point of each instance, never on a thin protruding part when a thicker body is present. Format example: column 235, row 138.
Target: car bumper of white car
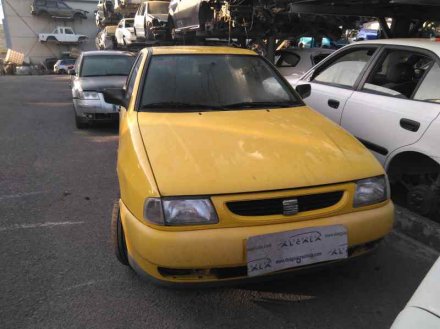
column 96, row 109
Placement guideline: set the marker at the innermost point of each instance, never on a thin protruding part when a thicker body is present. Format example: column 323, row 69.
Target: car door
column 336, row 78
column 69, row 36
column 139, row 20
column 396, row 102
column 64, row 10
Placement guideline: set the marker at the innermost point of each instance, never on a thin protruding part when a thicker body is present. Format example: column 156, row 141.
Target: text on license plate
column 278, row 251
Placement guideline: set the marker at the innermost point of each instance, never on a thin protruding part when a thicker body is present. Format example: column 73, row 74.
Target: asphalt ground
column 57, row 269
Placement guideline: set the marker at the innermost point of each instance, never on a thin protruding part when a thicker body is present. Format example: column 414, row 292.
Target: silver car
column 94, row 72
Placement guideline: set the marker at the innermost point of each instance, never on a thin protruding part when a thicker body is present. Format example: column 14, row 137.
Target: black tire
column 43, row 13
column 117, row 235
column 51, row 38
column 78, row 16
column 61, row 71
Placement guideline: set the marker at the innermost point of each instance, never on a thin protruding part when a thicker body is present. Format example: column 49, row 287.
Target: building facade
column 21, row 29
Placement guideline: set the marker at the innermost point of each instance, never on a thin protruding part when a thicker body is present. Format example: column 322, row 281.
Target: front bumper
column 220, row 254
column 97, row 110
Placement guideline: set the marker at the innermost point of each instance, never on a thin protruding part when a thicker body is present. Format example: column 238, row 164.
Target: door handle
column 333, row 103
column 409, row 124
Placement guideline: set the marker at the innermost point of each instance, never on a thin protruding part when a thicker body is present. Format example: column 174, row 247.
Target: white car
column 124, row 33
column 386, row 93
column 62, row 34
column 294, row 62
column 63, row 66
column 423, row 309
column 151, row 20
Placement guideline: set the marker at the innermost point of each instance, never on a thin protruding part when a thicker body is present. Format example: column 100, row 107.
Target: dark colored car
column 94, row 72
column 53, row 8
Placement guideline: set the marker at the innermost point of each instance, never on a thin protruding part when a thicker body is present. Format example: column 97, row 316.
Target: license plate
column 278, row 251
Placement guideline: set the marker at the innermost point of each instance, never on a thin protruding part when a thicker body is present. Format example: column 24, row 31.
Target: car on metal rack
column 63, row 66
column 226, row 181
column 56, row 8
column 385, row 92
column 94, row 71
column 62, row 34
column 151, row 20
column 124, row 33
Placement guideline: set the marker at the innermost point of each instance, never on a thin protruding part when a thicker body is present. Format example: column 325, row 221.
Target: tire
column 51, row 38
column 118, row 237
column 62, row 71
column 78, row 16
column 43, row 13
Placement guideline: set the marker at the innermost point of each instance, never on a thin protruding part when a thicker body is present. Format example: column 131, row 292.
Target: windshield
column 105, row 65
column 213, row 82
column 158, row 7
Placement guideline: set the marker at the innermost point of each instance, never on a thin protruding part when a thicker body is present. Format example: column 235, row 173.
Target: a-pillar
column 271, row 44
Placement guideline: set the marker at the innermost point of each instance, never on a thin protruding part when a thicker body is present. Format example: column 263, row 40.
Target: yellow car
column 226, row 174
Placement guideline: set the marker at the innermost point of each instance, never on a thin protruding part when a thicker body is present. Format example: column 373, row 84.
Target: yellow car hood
column 250, row 150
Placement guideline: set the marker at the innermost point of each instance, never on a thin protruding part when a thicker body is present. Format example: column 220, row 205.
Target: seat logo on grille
column 290, row 207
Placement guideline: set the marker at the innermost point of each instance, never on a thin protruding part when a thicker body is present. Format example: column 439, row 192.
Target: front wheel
column 118, row 237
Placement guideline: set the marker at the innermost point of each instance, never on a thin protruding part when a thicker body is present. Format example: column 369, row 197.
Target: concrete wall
column 22, row 29
column 2, row 40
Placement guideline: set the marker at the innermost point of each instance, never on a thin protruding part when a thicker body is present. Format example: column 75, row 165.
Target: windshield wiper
column 180, row 105
column 259, row 105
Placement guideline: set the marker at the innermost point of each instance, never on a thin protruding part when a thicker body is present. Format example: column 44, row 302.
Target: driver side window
column 345, row 71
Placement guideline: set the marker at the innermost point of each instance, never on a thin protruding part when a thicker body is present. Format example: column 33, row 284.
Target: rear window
column 106, row 65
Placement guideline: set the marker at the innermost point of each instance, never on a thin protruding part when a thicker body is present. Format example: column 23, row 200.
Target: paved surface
column 57, row 269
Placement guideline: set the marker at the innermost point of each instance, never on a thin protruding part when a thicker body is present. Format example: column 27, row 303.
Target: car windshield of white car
column 106, row 65
column 158, row 7
column 213, row 83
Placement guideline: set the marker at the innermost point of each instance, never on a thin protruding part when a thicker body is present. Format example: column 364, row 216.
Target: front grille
column 267, row 207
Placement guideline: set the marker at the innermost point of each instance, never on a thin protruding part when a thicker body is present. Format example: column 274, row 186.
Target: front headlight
column 370, row 191
column 177, row 211
column 89, row 95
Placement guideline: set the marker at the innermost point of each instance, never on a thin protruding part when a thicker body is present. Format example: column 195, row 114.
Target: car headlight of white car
column 180, row 211
column 371, row 191
column 89, row 95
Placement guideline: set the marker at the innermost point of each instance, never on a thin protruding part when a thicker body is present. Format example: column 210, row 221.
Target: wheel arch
column 411, row 162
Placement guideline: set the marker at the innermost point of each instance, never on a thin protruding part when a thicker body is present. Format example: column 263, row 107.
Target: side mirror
column 304, row 90
column 115, row 96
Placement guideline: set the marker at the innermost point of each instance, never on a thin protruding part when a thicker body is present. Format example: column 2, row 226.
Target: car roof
column 430, row 44
column 105, row 53
column 177, row 50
